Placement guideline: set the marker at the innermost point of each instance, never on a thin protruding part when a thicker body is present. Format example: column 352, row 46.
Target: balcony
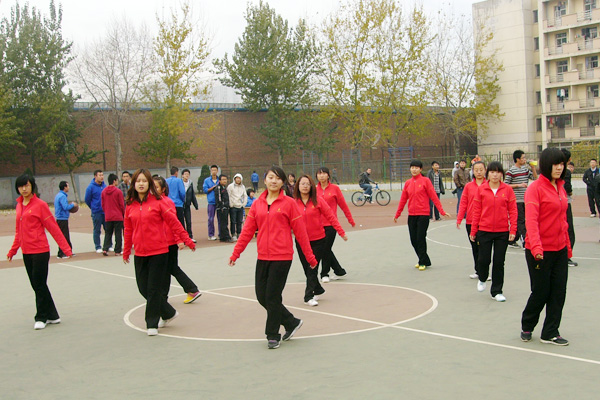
column 580, row 47
column 581, row 18
column 573, row 77
column 572, row 105
column 588, row 131
column 570, row 133
column 566, row 48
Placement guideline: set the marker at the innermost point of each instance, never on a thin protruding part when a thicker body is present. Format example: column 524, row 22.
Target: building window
column 589, row 33
column 538, row 97
column 537, row 70
column 591, row 62
column 560, row 9
column 536, row 43
column 562, row 66
column 535, row 16
column 593, row 119
column 561, row 38
column 592, row 91
column 538, row 124
column 589, row 5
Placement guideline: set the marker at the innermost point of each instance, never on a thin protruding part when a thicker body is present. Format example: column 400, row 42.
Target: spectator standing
column 289, row 185
column 208, row 187
column 436, row 178
column 190, row 199
column 114, row 211
column 334, row 178
column 222, row 204
column 461, row 178
column 93, row 199
column 237, row 200
column 517, row 177
column 251, row 198
column 454, row 169
column 177, row 193
column 62, row 211
column 124, row 185
column 254, row 178
column 588, row 179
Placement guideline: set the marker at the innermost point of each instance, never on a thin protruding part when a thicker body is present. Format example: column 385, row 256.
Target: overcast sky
column 85, row 20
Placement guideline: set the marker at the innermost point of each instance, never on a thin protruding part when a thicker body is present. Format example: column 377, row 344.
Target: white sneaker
column 334, row 277
column 318, row 296
column 39, row 325
column 325, row 279
column 311, row 302
column 499, row 297
column 212, row 238
column 164, row 322
column 593, row 216
column 193, row 240
column 99, row 251
column 53, row 321
column 111, row 249
column 480, row 286
column 152, row 332
column 473, row 276
column 489, row 278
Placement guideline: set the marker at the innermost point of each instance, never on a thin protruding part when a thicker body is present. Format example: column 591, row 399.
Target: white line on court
column 380, row 325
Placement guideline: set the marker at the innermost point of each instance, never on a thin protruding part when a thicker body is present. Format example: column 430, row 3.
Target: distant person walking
column 334, row 178
column 208, row 188
column 33, row 216
column 114, row 212
column 437, row 180
column 254, row 178
column 518, row 177
column 62, row 212
column 125, row 181
column 588, row 178
column 190, row 199
column 461, row 178
column 93, row 199
column 177, row 193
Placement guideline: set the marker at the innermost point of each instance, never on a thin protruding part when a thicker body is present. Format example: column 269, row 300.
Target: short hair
column 517, row 154
column 96, row 172
column 214, row 166
column 567, row 154
column 571, row 163
column 248, row 191
column 62, row 185
column 22, row 181
column 593, row 159
column 478, row 162
column 186, row 170
column 549, row 157
column 125, row 172
column 223, row 176
column 495, row 166
column 163, row 184
column 292, row 175
column 174, row 170
column 462, row 160
column 112, row 178
column 325, row 170
column 434, row 162
column 416, row 163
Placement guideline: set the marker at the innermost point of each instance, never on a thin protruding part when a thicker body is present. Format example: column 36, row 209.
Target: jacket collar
column 546, row 182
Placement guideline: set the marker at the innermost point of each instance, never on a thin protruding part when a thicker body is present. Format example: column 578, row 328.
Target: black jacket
column 190, row 198
column 441, row 176
column 588, row 178
column 568, row 186
column 221, row 197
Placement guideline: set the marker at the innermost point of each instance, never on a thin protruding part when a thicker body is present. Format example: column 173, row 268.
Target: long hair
column 163, row 184
column 312, row 194
column 133, row 195
column 280, row 173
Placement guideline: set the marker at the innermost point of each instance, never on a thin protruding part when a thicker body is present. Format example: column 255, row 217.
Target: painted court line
column 379, row 325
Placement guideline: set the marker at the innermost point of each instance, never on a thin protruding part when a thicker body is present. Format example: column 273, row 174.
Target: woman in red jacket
column 418, row 190
column 33, row 216
column 466, row 208
column 175, row 244
column 145, row 217
column 275, row 216
column 494, row 224
column 315, row 212
column 334, row 198
column 548, row 248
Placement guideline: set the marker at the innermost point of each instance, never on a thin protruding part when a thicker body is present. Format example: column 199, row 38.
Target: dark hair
column 280, row 173
column 125, row 172
column 567, row 154
column 434, row 162
column 163, row 184
column 292, row 175
column 186, row 170
column 62, row 185
column 96, row 172
column 248, row 191
column 133, row 195
column 214, row 166
column 174, row 170
column 593, row 159
column 312, row 195
column 571, row 163
column 112, row 178
column 549, row 157
column 223, row 176
column 254, row 171
column 517, row 154
column 22, row 181
column 462, row 160
column 495, row 166
column 478, row 162
column 325, row 170
column 416, row 163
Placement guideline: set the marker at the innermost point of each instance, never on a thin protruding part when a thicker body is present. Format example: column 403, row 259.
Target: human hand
column 458, row 225
column 472, row 238
column 9, row 258
column 511, row 238
column 180, row 246
column 126, row 260
column 231, row 262
column 345, row 238
column 539, row 256
column 447, row 216
column 395, row 220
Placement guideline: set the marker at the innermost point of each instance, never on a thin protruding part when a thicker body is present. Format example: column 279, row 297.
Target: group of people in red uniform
column 152, row 228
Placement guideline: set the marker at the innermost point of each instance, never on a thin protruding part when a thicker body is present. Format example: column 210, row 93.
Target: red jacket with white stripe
column 29, row 230
column 546, row 222
column 144, row 227
column 334, row 197
column 171, row 237
column 315, row 217
column 275, row 224
column 493, row 212
column 418, row 190
column 466, row 203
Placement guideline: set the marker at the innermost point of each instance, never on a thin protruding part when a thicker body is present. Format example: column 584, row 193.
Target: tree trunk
column 74, row 186
column 118, row 149
column 168, row 165
column 280, row 158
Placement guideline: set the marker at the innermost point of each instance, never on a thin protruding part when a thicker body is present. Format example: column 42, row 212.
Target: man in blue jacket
column 254, row 178
column 208, row 187
column 62, row 211
column 177, row 193
column 93, row 198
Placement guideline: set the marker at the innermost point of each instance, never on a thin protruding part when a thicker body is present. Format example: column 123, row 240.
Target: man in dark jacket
column 461, row 178
column 190, row 199
column 436, row 178
column 588, row 179
column 222, row 206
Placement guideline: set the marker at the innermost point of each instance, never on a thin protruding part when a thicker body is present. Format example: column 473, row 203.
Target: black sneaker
column 525, row 336
column 557, row 340
column 288, row 334
column 272, row 344
column 572, row 263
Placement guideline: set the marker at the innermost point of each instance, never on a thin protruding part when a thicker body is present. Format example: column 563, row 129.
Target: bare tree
column 113, row 72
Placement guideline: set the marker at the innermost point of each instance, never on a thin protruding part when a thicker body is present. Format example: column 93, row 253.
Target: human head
column 368, row 170
column 250, row 193
column 571, row 166
column 306, row 185
column 141, row 186
column 323, row 174
column 161, row 185
column 99, row 176
column 174, row 171
column 593, row 163
column 185, row 175
column 64, row 186
column 455, row 164
column 495, row 166
column 113, row 179
column 462, row 163
column 479, row 170
column 126, row 177
column 237, row 178
column 550, row 157
column 291, row 179
column 416, row 166
column 275, row 178
column 567, row 154
column 435, row 165
column 25, row 185
column 214, row 170
column 223, row 179
column 518, row 157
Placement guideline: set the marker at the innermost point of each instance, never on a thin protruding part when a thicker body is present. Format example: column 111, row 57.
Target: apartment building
column 550, row 86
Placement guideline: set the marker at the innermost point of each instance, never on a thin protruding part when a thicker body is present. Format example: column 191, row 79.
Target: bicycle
column 381, row 197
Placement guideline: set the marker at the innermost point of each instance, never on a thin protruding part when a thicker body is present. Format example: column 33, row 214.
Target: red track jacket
column 466, row 202
column 492, row 213
column 418, row 191
column 315, row 217
column 334, row 197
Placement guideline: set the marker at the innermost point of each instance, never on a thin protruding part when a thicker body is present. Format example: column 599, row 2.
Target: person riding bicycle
column 364, row 181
